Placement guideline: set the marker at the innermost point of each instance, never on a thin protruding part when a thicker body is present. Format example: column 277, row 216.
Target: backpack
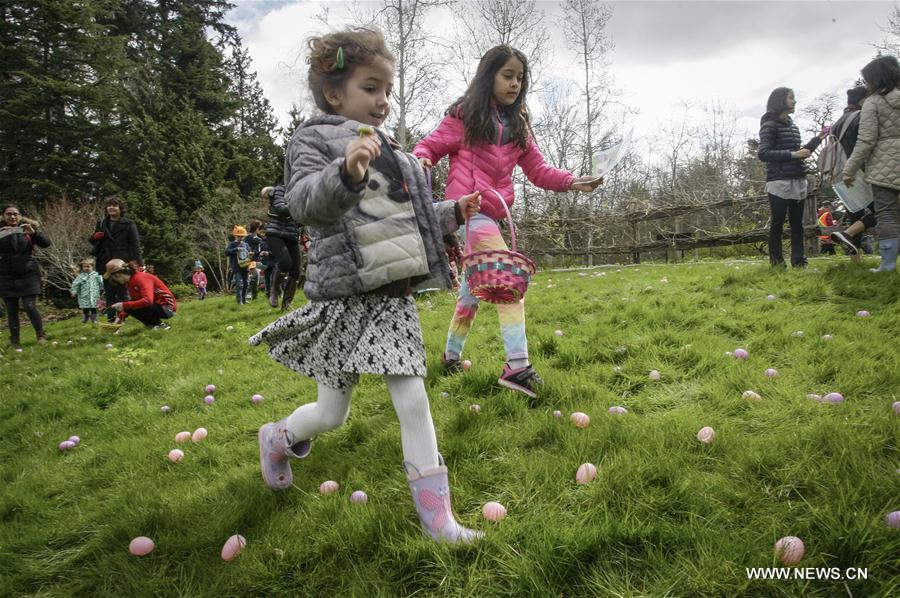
column 243, row 256
column 832, row 157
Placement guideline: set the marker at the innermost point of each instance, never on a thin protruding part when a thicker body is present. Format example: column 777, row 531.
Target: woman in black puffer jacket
column 115, row 237
column 283, row 237
column 20, row 276
column 779, row 148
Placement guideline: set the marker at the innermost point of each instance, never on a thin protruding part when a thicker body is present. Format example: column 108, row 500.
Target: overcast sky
column 665, row 53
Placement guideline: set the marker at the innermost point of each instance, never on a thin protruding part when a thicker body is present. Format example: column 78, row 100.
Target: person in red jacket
column 151, row 300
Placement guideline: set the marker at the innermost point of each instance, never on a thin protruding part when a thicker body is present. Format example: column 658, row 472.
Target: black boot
column 289, row 289
column 277, row 279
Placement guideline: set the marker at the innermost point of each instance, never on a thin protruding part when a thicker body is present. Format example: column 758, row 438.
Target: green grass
column 667, row 515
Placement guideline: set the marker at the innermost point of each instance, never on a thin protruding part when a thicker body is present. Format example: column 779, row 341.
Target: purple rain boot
column 276, row 446
column 431, row 495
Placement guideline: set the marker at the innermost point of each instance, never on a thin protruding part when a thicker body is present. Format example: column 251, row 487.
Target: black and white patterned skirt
column 334, row 341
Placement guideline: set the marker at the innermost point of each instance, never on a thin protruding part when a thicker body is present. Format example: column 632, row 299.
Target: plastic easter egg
column 233, row 547
column 790, row 550
column 557, row 414
column 893, row 519
column 20, row 349
column 771, row 373
column 466, row 364
column 771, row 297
column 581, row 420
column 833, row 398
column 558, row 332
column 896, row 407
column 229, row 328
column 257, row 399
column 65, row 445
column 654, row 375
column 586, row 473
column 862, row 314
column 617, row 369
column 54, row 343
column 182, row 437
column 445, row 395
column 141, row 546
column 740, row 353
column 827, row 337
column 109, row 345
column 493, row 511
column 165, row 409
column 176, row 455
column 210, row 389
column 618, row 410
column 199, row 434
column 797, row 333
column 729, row 354
column 75, row 440
column 329, row 487
column 359, row 497
column 750, row 395
column 814, row 397
column 209, row 399
column 476, row 408
column 706, row 435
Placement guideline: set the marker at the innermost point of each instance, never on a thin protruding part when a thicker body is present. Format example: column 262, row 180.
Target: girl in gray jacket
column 374, row 236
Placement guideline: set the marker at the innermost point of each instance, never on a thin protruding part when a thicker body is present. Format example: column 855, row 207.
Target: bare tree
column 678, row 139
column 68, row 224
column 891, row 42
column 820, row 111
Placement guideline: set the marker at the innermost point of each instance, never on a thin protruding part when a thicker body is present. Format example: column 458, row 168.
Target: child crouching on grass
column 87, row 287
column 374, row 234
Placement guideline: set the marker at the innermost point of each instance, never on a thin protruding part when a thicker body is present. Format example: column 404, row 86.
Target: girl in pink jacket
column 486, row 133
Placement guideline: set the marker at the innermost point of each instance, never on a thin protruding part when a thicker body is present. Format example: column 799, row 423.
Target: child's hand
column 424, row 163
column 470, row 204
column 359, row 153
column 586, row 183
column 117, row 306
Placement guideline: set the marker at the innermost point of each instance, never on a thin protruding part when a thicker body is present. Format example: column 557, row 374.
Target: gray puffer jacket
column 360, row 241
column 878, row 142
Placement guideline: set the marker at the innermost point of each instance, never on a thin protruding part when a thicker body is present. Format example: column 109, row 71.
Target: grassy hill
column 666, row 515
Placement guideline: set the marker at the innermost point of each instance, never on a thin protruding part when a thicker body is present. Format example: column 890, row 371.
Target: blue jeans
column 240, row 285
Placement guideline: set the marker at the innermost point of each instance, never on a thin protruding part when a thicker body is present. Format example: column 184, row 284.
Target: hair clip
column 340, row 58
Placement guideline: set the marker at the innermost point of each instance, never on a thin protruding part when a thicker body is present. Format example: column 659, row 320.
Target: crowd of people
column 376, row 236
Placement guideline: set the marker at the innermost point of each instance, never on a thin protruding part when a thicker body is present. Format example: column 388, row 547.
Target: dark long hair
column 882, row 75
column 777, row 103
column 474, row 107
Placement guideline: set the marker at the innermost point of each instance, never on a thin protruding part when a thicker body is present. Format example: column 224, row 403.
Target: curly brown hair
column 359, row 45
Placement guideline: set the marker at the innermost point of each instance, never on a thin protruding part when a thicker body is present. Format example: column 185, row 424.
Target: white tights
column 410, row 402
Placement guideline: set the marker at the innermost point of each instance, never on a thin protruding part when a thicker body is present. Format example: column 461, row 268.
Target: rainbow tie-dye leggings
column 485, row 234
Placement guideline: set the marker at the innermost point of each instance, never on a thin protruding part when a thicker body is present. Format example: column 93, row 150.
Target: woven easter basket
column 496, row 275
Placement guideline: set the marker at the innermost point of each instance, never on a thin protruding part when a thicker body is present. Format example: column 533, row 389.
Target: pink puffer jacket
column 488, row 166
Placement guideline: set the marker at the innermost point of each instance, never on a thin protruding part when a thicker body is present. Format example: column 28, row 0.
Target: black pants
column 867, row 215
column 12, row 313
column 793, row 210
column 286, row 254
column 115, row 293
column 151, row 316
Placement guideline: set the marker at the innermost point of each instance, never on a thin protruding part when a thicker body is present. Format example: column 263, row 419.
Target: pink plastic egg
column 814, row 397
column 210, row 389
column 557, row 414
column 790, row 550
column 176, row 455
column 466, row 364
column 586, row 473
column 558, row 333
column 329, row 487
column 75, row 439
column 654, row 375
column 741, row 353
column 750, row 395
column 257, row 399
column 893, row 519
column 581, row 420
column 165, row 409
column 771, row 373
column 862, row 314
column 233, row 547
column 618, row 410
column 896, row 407
column 65, row 445
column 141, row 546
column 182, row 437
column 771, row 297
column 493, row 511
column 706, row 435
column 359, row 497
column 833, row 398
column 476, row 408
column 199, row 434
column 209, row 399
